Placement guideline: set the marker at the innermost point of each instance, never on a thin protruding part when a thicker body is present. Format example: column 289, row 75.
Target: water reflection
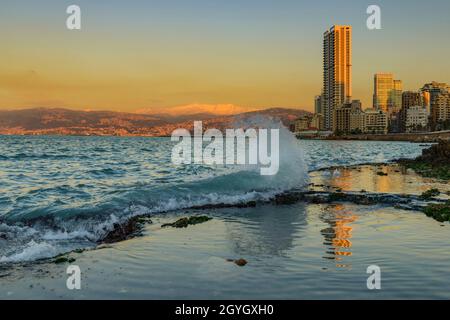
column 381, row 179
column 268, row 230
column 337, row 237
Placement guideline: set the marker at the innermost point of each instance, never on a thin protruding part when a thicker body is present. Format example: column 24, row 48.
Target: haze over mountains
column 58, row 121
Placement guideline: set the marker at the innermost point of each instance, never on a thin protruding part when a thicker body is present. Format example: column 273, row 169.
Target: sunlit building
column 437, row 100
column 431, row 90
column 387, row 93
column 337, row 71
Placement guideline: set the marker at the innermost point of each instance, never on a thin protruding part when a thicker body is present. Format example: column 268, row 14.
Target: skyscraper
column 318, row 105
column 337, row 70
column 387, row 95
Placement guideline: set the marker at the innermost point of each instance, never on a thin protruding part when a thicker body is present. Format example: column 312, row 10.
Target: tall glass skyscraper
column 337, row 70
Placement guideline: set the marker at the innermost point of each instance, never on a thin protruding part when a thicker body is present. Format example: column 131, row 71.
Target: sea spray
column 60, row 227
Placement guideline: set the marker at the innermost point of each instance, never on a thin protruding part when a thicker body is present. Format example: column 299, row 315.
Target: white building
column 375, row 121
column 416, row 119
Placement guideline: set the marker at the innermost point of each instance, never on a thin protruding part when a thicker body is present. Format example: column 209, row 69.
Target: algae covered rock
column 433, row 163
column 185, row 222
column 430, row 194
column 439, row 212
column 63, row 259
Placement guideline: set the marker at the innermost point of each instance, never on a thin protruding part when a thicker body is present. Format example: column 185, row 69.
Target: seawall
column 413, row 137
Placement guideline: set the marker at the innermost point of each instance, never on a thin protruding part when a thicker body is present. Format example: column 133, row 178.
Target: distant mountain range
column 58, row 121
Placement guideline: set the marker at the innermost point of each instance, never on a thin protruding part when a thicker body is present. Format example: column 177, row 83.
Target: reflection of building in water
column 338, row 234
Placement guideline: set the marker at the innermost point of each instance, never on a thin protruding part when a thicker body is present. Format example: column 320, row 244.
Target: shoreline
column 324, row 188
column 425, row 137
column 169, row 255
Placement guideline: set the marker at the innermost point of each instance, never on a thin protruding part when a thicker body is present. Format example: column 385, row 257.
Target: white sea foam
column 32, row 251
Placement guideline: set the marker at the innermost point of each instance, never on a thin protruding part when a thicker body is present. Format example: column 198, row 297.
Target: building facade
column 409, row 99
column 375, row 121
column 431, row 90
column 387, row 94
column 337, row 71
column 317, row 122
column 417, row 119
column 344, row 120
column 440, row 111
column 318, row 105
column 302, row 124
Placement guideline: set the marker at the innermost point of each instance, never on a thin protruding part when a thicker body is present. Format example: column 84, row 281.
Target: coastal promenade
column 413, row 137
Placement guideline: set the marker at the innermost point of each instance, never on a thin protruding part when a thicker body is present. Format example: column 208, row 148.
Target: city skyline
column 252, row 55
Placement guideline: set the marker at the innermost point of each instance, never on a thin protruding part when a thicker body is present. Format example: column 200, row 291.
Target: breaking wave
column 54, row 219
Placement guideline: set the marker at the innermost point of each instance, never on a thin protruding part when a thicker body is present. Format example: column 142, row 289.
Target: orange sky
column 155, row 55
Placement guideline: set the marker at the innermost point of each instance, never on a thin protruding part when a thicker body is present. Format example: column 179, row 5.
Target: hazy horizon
column 154, row 55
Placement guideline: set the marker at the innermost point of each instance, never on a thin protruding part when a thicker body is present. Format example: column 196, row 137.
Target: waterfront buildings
column 387, row 93
column 440, row 111
column 351, row 119
column 306, row 123
column 337, row 71
column 302, row 123
column 409, row 99
column 317, row 122
column 431, row 90
column 342, row 117
column 437, row 101
column 417, row 119
column 318, row 105
column 375, row 121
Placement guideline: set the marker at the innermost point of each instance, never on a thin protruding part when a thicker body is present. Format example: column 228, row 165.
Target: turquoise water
column 62, row 193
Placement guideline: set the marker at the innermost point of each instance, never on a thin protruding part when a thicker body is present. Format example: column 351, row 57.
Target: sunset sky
column 154, row 55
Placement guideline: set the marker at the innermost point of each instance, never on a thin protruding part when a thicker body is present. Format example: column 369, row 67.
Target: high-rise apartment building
column 409, row 99
column 387, row 94
column 318, row 105
column 431, row 90
column 437, row 101
column 440, row 110
column 337, row 70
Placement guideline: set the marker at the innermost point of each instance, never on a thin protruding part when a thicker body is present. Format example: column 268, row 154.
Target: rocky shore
column 434, row 162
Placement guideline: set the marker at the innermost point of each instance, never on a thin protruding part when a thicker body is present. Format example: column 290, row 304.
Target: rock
column 439, row 212
column 430, row 194
column 337, row 196
column 364, row 200
column 434, row 162
column 287, row 198
column 381, row 173
column 250, row 204
column 185, row 222
column 61, row 259
column 144, row 220
column 438, row 153
column 240, row 262
column 122, row 232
